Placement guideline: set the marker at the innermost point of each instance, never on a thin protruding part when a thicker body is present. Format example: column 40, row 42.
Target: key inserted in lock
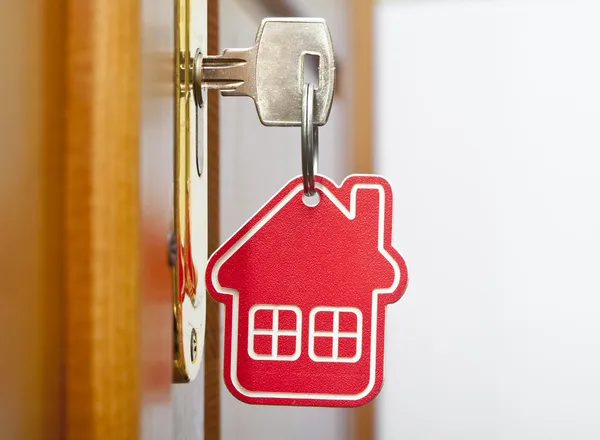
column 272, row 71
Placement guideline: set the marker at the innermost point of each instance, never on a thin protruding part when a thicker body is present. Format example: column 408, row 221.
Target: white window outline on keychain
column 335, row 334
column 274, row 332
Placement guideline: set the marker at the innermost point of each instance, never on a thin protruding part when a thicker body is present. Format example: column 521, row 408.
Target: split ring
column 310, row 140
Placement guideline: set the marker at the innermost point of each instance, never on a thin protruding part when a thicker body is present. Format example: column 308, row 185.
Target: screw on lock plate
column 272, row 71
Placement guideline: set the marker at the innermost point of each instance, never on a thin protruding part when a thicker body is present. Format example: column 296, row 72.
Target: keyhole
column 310, row 67
column 194, row 346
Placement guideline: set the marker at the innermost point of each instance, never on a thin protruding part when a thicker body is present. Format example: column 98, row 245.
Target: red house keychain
column 305, row 289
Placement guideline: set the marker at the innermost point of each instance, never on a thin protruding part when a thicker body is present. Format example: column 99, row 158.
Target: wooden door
column 85, row 190
column 86, row 179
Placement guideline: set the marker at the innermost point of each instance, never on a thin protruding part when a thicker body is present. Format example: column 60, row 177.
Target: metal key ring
column 310, row 140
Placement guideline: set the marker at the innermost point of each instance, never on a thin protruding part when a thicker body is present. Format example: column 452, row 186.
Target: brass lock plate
column 189, row 243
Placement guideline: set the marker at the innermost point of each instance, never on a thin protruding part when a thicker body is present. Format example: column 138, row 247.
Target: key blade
column 231, row 72
column 222, row 73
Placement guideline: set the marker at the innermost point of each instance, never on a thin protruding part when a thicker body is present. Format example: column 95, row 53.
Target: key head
column 276, row 78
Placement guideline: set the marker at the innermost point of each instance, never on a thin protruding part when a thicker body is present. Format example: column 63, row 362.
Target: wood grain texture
column 102, row 220
column 212, row 350
column 360, row 122
column 52, row 294
column 361, row 116
column 31, row 268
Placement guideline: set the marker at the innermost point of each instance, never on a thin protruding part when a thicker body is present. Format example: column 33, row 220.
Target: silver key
column 272, row 71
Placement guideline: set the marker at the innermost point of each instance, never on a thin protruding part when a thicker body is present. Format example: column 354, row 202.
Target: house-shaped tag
column 305, row 291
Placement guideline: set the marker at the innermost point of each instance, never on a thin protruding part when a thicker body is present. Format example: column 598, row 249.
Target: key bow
column 272, row 71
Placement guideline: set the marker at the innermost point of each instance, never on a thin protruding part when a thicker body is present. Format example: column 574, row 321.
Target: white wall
column 488, row 124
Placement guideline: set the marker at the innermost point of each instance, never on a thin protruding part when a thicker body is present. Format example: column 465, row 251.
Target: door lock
column 272, row 73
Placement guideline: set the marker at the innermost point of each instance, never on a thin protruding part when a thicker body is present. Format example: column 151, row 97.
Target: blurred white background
column 488, row 125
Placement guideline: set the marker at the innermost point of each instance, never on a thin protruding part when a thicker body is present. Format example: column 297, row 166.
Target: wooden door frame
column 360, row 126
column 102, row 222
column 73, row 186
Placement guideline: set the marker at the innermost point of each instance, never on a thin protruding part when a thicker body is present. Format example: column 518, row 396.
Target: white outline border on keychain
column 350, row 214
